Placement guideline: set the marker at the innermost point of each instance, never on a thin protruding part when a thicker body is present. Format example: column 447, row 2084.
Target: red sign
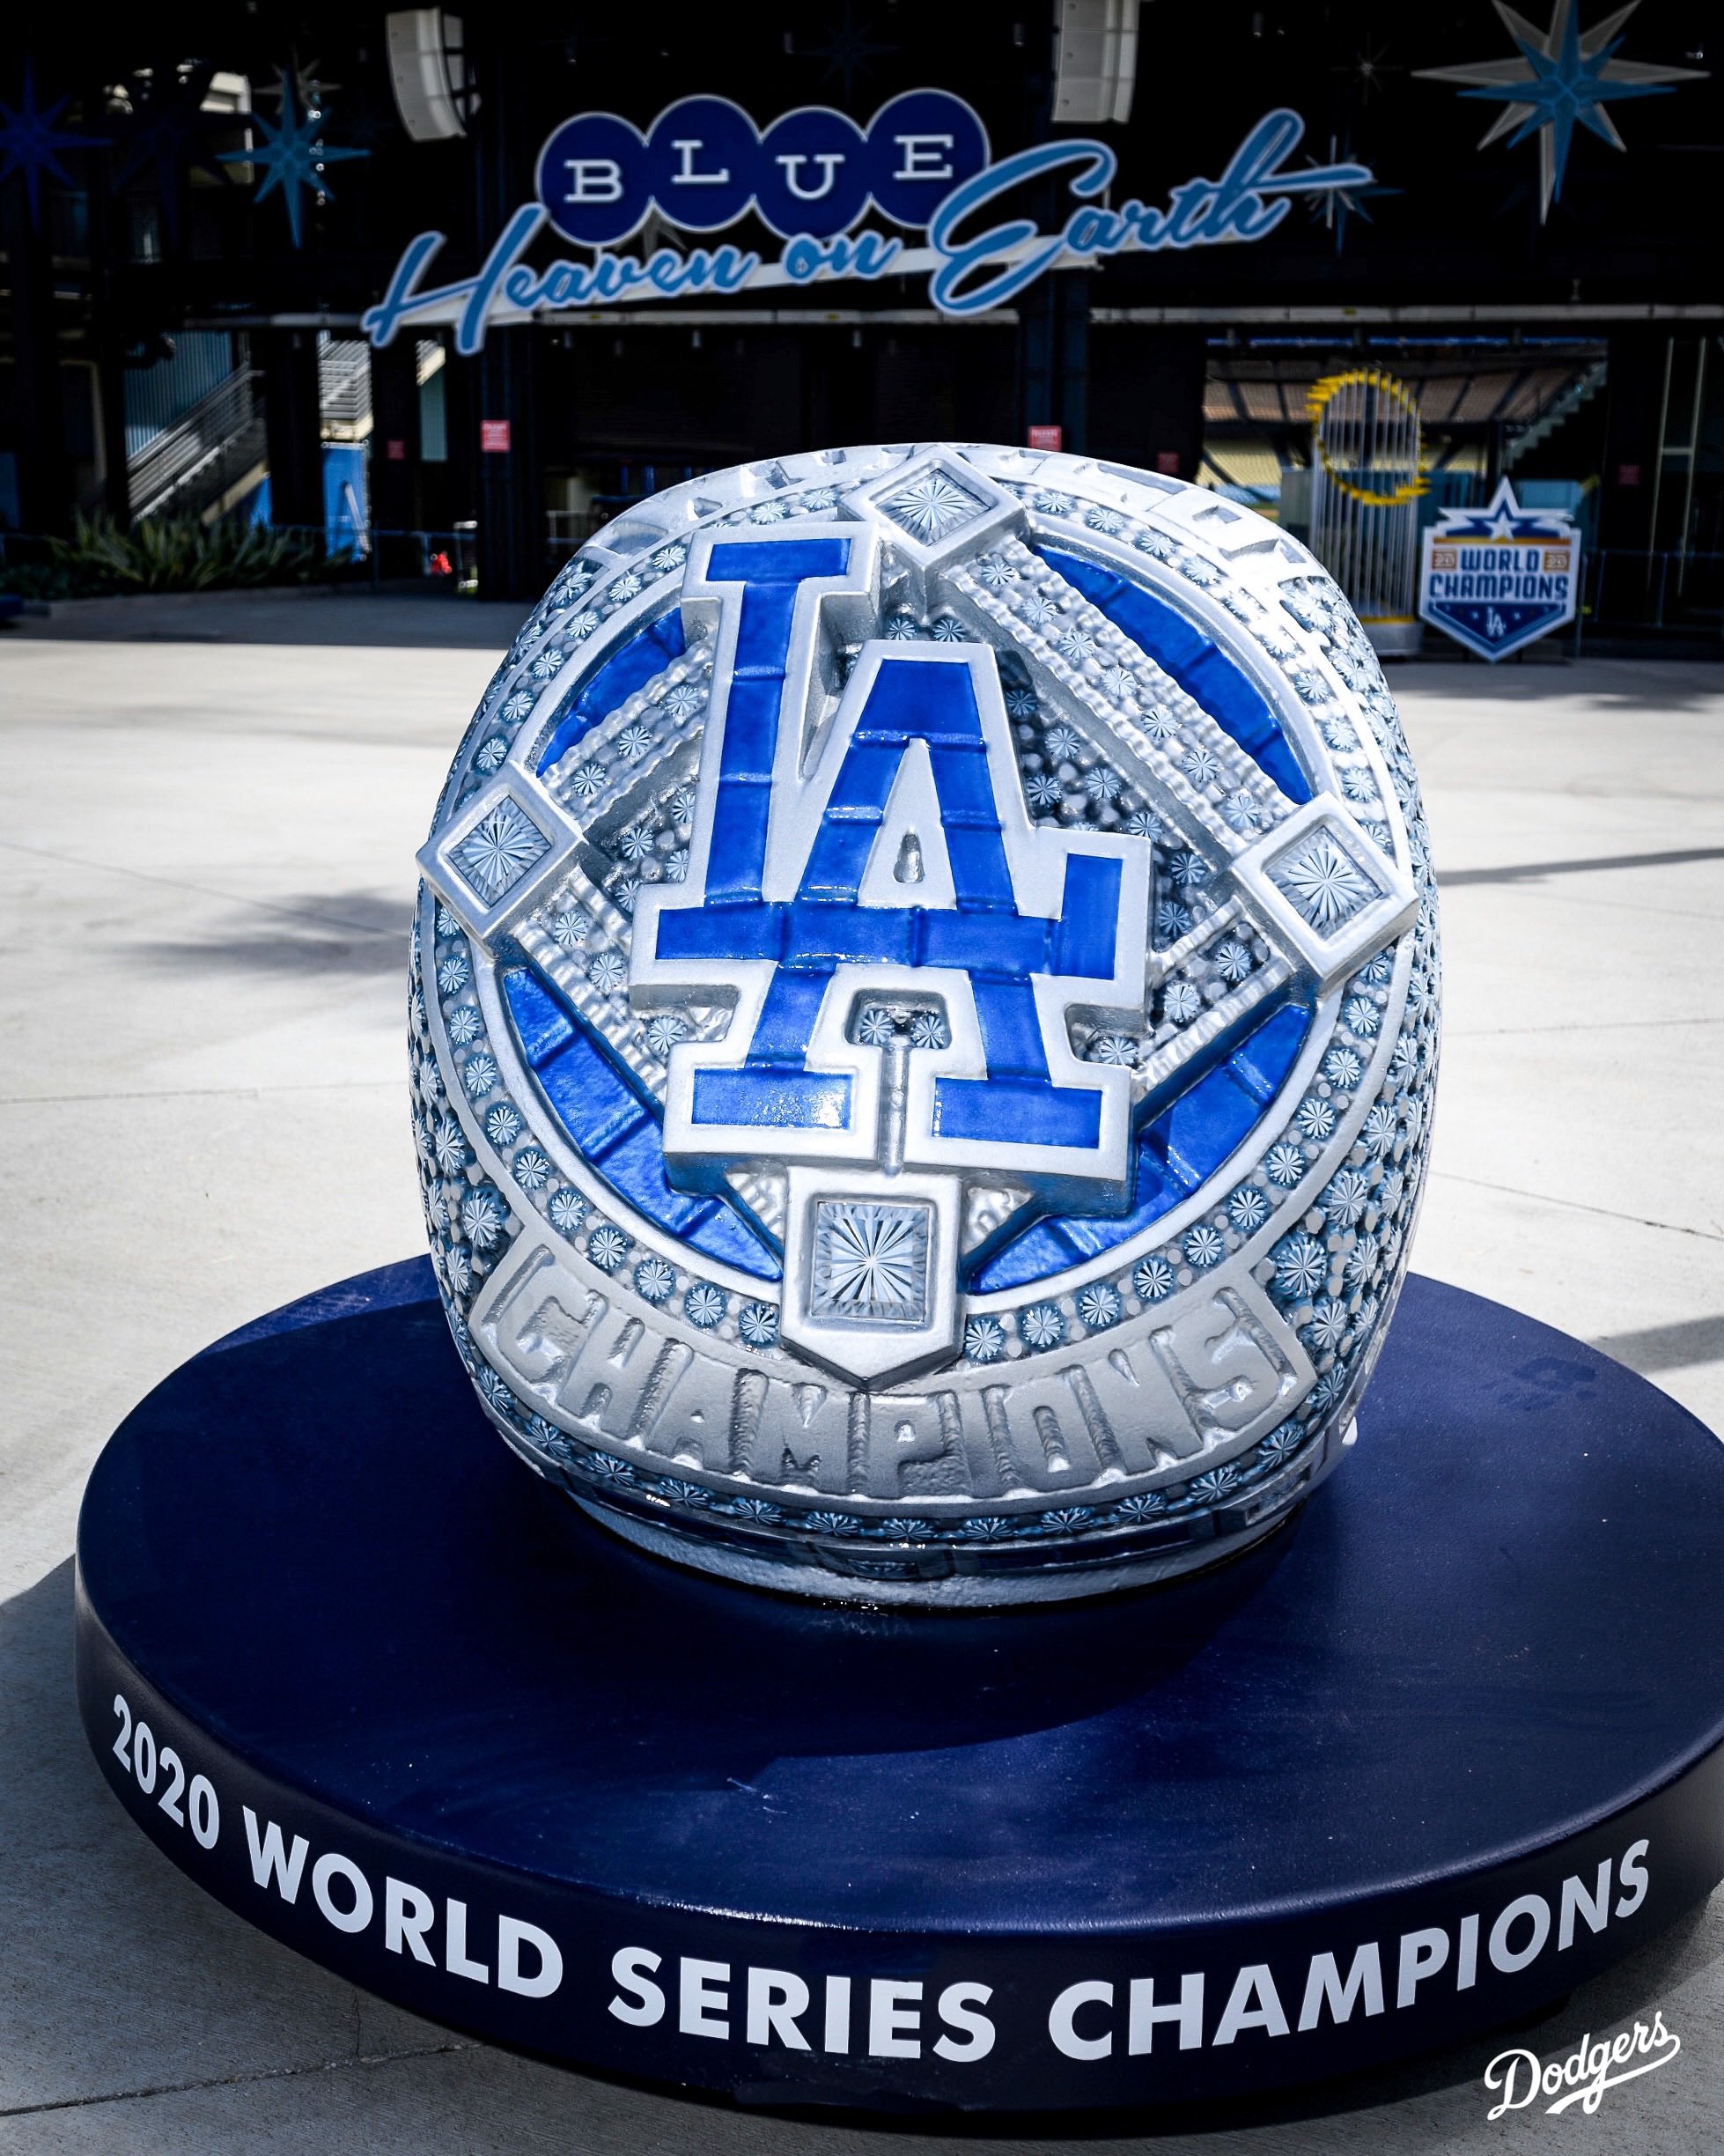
column 1167, row 460
column 494, row 437
column 396, row 450
column 1628, row 475
column 1047, row 438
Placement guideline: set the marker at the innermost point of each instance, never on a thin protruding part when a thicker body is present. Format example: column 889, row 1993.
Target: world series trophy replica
column 954, row 1002
column 923, row 1032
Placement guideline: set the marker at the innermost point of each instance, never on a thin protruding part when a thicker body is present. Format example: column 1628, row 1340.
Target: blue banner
column 812, row 178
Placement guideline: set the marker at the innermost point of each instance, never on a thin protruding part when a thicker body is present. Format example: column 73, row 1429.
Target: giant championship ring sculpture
column 923, row 1026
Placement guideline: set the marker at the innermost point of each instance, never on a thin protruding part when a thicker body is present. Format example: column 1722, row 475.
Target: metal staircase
column 344, row 388
column 1579, row 392
column 208, row 454
column 215, row 453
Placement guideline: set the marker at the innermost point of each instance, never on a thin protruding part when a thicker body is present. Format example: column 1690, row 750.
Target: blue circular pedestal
column 1444, row 1747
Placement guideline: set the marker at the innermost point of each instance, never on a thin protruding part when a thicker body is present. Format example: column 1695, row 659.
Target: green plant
column 170, row 554
column 36, row 580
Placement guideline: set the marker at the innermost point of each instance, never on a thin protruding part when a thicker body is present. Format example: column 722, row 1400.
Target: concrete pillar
column 514, row 561
column 290, row 416
column 1053, row 357
column 1146, row 397
column 1634, row 385
column 395, row 455
column 44, row 473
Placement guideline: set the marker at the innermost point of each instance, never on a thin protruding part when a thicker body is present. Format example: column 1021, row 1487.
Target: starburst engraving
column 871, row 1262
column 1324, row 882
column 931, row 506
column 500, row 849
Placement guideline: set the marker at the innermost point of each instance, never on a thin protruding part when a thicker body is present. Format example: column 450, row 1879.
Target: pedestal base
column 1443, row 1748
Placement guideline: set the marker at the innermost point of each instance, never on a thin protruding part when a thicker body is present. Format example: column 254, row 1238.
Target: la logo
column 902, row 952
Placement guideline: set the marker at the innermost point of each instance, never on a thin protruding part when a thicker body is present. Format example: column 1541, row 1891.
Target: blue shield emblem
column 1498, row 579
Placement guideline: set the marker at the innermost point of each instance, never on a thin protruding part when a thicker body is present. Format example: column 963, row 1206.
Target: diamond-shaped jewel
column 500, row 849
column 931, row 506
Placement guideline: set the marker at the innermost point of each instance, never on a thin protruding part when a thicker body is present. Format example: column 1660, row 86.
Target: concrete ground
column 207, row 862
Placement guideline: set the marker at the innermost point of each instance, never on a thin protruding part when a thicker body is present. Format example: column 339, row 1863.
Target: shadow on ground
column 1610, row 685
column 138, row 2015
column 1682, row 1345
column 415, row 618
column 324, row 933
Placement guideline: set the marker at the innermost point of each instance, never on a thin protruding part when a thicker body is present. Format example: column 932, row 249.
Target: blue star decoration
column 1331, row 207
column 1562, row 78
column 162, row 126
column 291, row 157
column 848, row 51
column 29, row 143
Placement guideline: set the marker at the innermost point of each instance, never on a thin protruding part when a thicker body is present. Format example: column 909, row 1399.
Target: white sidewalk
column 208, row 861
